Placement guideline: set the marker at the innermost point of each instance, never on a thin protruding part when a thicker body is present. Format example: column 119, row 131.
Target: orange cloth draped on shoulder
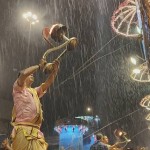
column 26, row 134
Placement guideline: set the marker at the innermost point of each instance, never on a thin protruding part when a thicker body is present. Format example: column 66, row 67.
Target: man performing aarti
column 27, row 113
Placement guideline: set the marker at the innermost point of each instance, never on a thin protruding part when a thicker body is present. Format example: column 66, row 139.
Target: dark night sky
column 105, row 85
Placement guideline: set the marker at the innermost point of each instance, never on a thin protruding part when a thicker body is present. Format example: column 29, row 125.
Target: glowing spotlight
column 133, row 60
column 25, row 15
column 136, row 71
column 89, row 109
column 33, row 23
column 29, row 14
column 31, row 18
column 34, row 17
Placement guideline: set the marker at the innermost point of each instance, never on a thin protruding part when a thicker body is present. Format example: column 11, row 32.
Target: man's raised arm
column 52, row 75
column 28, row 71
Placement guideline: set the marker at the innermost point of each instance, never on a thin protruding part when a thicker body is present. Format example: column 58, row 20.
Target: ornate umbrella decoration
column 124, row 19
column 132, row 19
column 148, row 117
column 142, row 73
column 145, row 102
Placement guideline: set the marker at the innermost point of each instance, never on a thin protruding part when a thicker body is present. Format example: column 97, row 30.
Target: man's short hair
column 19, row 74
column 99, row 136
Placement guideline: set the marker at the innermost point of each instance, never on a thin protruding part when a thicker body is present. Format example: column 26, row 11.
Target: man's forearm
column 49, row 81
column 54, row 68
column 30, row 70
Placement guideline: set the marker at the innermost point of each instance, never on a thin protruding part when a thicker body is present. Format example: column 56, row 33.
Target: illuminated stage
column 74, row 133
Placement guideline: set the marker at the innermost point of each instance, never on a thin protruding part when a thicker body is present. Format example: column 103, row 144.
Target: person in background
column 99, row 145
column 5, row 145
column 105, row 140
column 102, row 143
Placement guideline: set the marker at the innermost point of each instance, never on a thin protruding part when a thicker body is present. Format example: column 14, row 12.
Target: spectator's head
column 99, row 136
column 4, row 144
column 105, row 139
